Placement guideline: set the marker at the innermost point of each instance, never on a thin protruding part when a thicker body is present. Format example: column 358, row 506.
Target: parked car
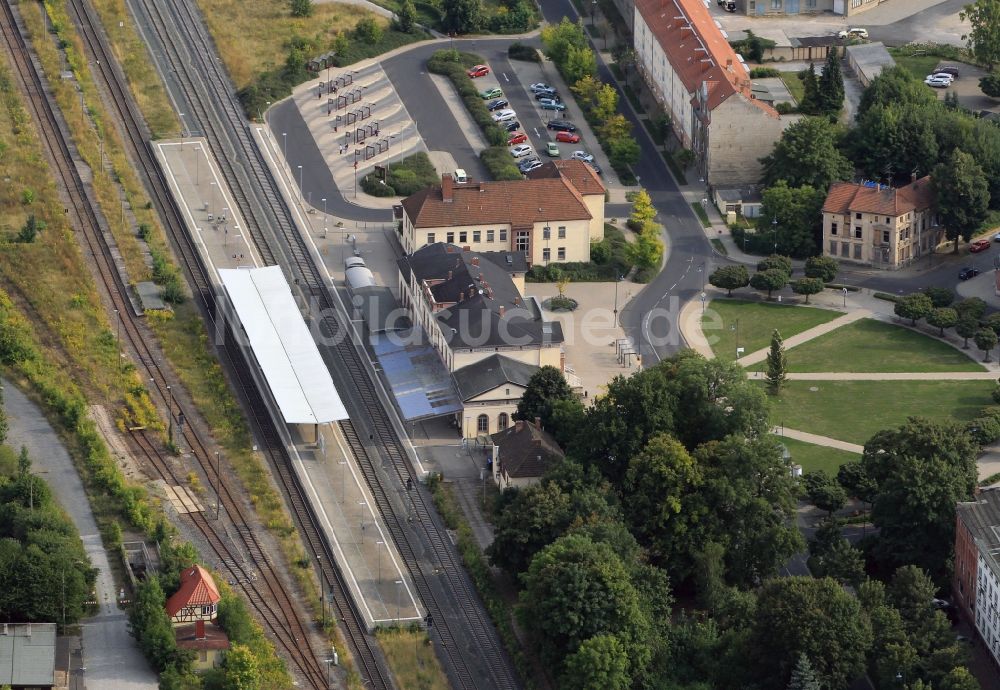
column 521, row 150
column 996, row 237
column 547, row 93
column 568, row 137
column 517, row 138
column 497, row 104
column 582, row 156
column 853, row 33
column 979, row 246
column 541, row 86
column 968, row 272
column 532, row 162
column 511, row 126
column 504, row 115
column 495, row 92
column 595, row 166
column 478, row 71
column 942, row 75
column 937, row 82
column 953, row 71
column 728, row 5
column 561, row 126
column 552, row 148
column 549, row 104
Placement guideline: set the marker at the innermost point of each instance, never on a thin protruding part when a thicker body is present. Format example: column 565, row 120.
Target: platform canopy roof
column 284, row 347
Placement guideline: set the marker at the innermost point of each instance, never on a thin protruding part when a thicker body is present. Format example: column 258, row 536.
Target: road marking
column 506, row 78
column 672, row 287
column 536, row 132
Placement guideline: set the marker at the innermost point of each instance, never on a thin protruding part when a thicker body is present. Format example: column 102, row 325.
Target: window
column 811, row 3
column 451, row 238
column 483, row 424
column 521, row 241
column 833, row 247
column 506, row 392
column 503, row 235
column 561, row 253
column 490, row 235
column 546, row 254
column 562, row 232
column 845, row 249
column 502, row 421
column 857, row 216
column 833, row 228
column 477, row 236
column 885, row 237
column 775, row 4
column 430, row 238
column 753, row 5
column 857, row 251
column 857, row 232
column 463, row 237
column 546, row 233
column 888, row 220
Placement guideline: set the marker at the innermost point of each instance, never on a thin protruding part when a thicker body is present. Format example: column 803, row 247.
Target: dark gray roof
column 982, row 518
column 149, row 295
column 492, row 372
column 481, row 306
column 27, row 654
column 526, row 450
column 811, row 41
column 512, row 262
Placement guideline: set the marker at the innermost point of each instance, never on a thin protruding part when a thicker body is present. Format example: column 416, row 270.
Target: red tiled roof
column 579, row 174
column 697, row 50
column 187, row 637
column 518, row 202
column 848, row 197
column 197, row 589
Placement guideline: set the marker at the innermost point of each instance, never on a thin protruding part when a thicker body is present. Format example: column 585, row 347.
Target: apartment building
column 878, row 225
column 976, row 580
column 700, row 81
column 847, row 8
column 552, row 216
column 488, row 336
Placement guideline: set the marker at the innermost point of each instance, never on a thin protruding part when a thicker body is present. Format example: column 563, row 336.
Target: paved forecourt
column 365, row 553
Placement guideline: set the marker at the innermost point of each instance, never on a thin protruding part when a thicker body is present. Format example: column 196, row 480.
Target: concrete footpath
column 111, row 656
column 799, row 338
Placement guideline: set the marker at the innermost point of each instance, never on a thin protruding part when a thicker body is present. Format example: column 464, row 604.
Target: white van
column 460, row 176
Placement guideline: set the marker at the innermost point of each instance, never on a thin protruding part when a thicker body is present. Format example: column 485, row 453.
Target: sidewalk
column 895, row 376
column 818, row 440
column 798, row 339
column 110, row 655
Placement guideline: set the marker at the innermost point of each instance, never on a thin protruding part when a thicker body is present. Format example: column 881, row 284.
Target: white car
column 582, row 156
column 541, row 86
column 853, row 33
column 941, row 75
column 937, row 82
column 504, row 115
column 521, row 150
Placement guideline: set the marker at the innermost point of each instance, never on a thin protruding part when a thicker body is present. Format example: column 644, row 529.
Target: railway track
column 465, row 632
column 466, row 640
column 255, row 577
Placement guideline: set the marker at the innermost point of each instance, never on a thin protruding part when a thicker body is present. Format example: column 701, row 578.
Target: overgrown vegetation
column 404, row 178
column 608, row 262
column 411, row 658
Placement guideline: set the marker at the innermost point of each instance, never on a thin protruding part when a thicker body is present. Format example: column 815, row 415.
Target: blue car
column 549, row 104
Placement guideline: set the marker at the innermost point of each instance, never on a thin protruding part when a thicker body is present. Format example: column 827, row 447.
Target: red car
column 568, row 137
column 979, row 246
column 478, row 71
column 518, row 138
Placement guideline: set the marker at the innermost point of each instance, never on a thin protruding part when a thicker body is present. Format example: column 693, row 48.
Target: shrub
column 784, row 108
column 520, row 51
column 600, row 252
column 940, row 296
column 985, row 430
column 888, row 297
column 764, row 72
column 368, row 30
column 499, row 162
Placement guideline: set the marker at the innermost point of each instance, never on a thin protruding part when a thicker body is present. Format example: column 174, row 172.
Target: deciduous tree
column 797, row 211
column 461, row 16
column 986, row 340
column 239, row 668
column 808, row 154
column 984, row 38
column 942, row 318
column 808, row 286
column 301, row 8
column 962, row 195
column 913, row 307
column 643, row 211
column 823, row 267
column 407, row 16
column 966, row 328
column 600, row 663
column 730, row 278
column 545, row 387
column 824, row 491
column 769, row 281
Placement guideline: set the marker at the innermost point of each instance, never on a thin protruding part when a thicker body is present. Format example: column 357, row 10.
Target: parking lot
column 514, row 79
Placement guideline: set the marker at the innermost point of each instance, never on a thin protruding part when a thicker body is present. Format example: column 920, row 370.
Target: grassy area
column 813, row 457
column 873, row 346
column 142, row 76
column 404, row 178
column 702, row 214
column 917, row 65
column 411, row 657
column 854, row 410
column 719, row 246
column 757, row 320
column 794, row 84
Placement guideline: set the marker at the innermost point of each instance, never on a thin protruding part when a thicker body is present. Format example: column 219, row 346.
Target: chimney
column 461, row 297
column 447, row 189
column 450, row 275
column 475, row 260
column 729, row 64
column 199, row 630
column 913, row 177
column 502, row 309
column 538, row 422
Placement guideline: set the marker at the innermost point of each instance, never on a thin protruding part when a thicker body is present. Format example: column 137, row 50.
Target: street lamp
column 324, row 205
column 774, row 227
column 703, row 296
column 362, row 504
column 380, row 544
column 618, row 279
column 736, row 327
column 300, row 183
column 399, row 590
column 284, row 137
column 593, row 11
column 343, row 484
column 845, row 298
column 170, row 414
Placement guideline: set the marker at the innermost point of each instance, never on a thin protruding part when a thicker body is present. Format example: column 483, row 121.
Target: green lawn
column 868, row 345
column 795, row 86
column 853, row 411
column 756, row 322
column 917, row 65
column 813, row 457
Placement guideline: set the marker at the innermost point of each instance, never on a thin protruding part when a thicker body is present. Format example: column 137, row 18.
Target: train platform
column 376, row 577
